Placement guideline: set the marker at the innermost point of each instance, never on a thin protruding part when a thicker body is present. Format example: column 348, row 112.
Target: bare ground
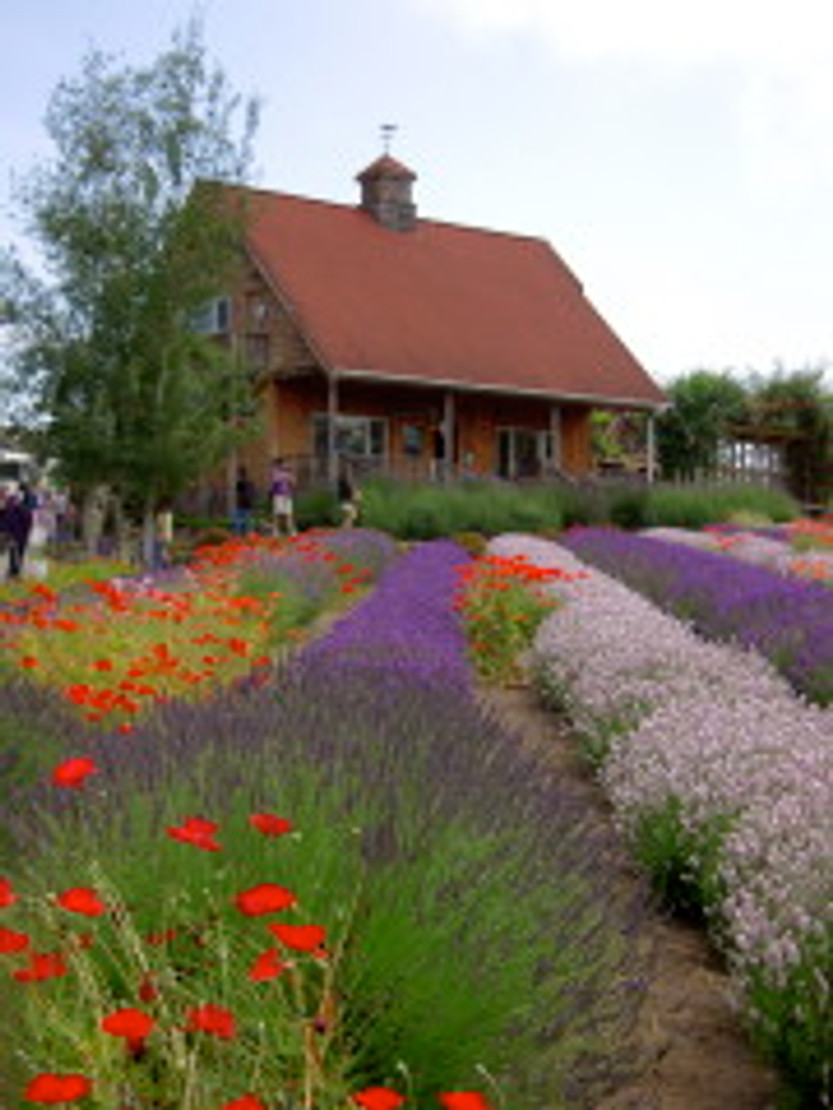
column 692, row 1051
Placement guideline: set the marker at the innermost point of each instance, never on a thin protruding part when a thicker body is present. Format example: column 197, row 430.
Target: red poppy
column 268, row 965
column 79, row 693
column 196, row 831
column 7, row 895
column 72, row 772
column 81, row 899
column 264, row 898
column 245, row 1102
column 211, row 1019
column 378, row 1098
column 44, row 591
column 269, row 824
column 42, row 965
column 148, row 991
column 10, row 941
column 29, row 661
column 134, row 1025
column 163, row 936
column 50, row 1089
column 463, row 1100
column 301, row 938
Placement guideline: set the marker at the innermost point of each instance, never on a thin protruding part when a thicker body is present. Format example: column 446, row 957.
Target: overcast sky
column 677, row 155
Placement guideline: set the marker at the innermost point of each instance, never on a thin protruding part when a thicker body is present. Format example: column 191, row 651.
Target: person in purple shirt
column 282, row 492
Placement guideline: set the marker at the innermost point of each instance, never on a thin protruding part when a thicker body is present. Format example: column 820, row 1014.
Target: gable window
column 213, row 318
column 257, row 312
column 257, row 351
column 359, row 436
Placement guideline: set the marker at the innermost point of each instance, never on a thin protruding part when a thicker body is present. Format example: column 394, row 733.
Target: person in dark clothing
column 349, row 496
column 17, row 524
column 5, row 523
column 245, row 496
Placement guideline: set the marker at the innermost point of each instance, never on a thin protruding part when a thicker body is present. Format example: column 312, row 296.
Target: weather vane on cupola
column 388, row 130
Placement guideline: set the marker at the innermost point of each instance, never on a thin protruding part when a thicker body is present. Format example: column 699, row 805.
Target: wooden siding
column 293, row 387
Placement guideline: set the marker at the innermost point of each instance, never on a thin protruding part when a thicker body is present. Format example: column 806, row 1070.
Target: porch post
column 332, row 413
column 448, row 434
column 651, row 450
column 556, row 459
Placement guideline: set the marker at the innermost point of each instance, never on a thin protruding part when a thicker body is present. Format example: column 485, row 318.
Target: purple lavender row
column 789, row 621
column 408, row 623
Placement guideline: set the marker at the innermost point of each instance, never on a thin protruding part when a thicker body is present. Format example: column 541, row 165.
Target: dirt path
column 693, row 1054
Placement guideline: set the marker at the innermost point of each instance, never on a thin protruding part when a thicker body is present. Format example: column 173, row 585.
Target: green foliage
column 131, row 396
column 318, row 508
column 794, row 1023
column 682, row 862
column 418, row 511
column 698, row 505
column 705, row 404
column 629, row 507
column 428, row 510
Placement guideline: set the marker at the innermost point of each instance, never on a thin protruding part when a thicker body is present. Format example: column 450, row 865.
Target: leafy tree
column 136, row 232
column 705, row 405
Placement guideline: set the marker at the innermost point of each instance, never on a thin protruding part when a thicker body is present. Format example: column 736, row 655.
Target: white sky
column 678, row 155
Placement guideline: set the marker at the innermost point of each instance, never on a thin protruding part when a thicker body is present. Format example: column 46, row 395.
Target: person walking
column 164, row 534
column 282, row 492
column 245, row 496
column 19, row 515
column 349, row 496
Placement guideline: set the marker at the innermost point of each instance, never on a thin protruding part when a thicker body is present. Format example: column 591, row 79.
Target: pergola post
column 651, row 449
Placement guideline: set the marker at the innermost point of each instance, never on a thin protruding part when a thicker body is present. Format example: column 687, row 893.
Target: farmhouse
column 416, row 347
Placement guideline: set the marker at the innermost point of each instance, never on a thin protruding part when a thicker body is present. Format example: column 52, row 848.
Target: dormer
column 386, row 193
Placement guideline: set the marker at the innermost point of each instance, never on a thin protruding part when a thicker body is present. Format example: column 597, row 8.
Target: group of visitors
column 281, row 490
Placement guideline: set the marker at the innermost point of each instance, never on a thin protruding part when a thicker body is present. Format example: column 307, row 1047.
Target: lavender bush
column 789, row 621
column 721, row 777
column 763, row 548
column 462, row 881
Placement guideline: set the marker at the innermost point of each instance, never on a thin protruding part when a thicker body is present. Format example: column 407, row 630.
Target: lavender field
column 719, row 769
column 478, row 945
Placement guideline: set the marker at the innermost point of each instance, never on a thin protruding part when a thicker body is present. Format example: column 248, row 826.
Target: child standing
column 282, row 491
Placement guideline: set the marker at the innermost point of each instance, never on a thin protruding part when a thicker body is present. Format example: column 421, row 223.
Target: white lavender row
column 715, row 734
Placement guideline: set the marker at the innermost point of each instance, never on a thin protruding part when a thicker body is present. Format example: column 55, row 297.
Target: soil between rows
column 692, row 1051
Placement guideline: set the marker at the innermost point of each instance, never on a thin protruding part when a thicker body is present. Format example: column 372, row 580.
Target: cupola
column 386, row 193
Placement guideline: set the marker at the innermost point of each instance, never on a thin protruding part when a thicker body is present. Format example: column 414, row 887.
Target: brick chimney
column 386, row 193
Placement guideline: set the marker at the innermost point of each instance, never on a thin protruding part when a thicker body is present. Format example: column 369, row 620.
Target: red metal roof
column 441, row 303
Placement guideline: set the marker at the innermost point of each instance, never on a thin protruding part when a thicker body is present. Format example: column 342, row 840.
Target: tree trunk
column 93, row 512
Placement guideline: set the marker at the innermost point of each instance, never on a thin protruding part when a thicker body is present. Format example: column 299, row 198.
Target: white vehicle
column 17, row 467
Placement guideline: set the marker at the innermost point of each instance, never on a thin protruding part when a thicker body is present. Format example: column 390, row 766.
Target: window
column 214, row 318
column 257, row 351
column 360, row 436
column 413, row 440
column 257, row 312
column 523, row 453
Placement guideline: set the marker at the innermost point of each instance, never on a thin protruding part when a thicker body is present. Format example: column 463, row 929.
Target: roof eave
column 477, row 387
